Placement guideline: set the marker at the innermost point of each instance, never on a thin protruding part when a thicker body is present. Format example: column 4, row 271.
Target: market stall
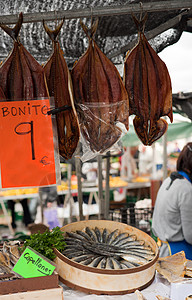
column 82, row 112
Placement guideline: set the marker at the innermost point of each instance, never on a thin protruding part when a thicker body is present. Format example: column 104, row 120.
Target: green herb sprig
column 45, row 242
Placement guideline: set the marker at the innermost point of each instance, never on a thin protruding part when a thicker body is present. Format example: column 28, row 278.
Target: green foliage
column 45, row 242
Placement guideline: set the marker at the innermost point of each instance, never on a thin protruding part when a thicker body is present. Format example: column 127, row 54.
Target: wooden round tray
column 105, row 281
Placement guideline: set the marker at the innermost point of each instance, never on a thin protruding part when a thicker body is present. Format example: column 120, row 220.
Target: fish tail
column 13, row 32
column 156, row 130
column 141, row 128
column 53, row 33
column 170, row 115
column 93, row 29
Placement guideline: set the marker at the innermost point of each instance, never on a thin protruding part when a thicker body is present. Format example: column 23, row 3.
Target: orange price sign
column 27, row 144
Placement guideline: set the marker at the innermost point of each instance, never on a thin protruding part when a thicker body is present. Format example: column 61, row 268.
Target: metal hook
column 141, row 13
column 56, row 20
column 91, row 16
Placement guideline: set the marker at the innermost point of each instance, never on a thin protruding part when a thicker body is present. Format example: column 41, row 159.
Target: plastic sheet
column 101, row 125
column 181, row 289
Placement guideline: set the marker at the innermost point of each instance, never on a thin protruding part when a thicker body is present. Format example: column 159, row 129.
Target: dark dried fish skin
column 104, row 235
column 60, row 87
column 142, row 254
column 89, row 260
column 121, row 236
column 103, row 262
column 84, row 234
column 91, row 233
column 125, row 240
column 73, row 247
column 99, row 248
column 148, row 85
column 82, row 258
column 129, row 264
column 75, row 254
column 135, row 258
column 109, row 263
column 111, row 236
column 98, row 234
column 21, row 76
column 116, row 263
column 72, row 241
column 100, row 96
column 96, row 261
column 76, row 236
column 141, row 250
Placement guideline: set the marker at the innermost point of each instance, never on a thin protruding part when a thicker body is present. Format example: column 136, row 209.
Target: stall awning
column 175, row 131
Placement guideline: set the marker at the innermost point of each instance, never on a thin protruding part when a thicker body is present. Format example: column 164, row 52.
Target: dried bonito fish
column 60, row 87
column 100, row 96
column 148, row 84
column 21, row 76
column 2, row 95
column 172, row 267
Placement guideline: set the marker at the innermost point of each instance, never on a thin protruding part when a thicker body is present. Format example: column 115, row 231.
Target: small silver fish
column 117, row 265
column 103, row 262
column 91, row 233
column 82, row 258
column 100, row 248
column 135, row 259
column 96, row 261
column 98, row 235
column 104, row 235
column 84, row 234
column 129, row 264
column 112, row 236
column 119, row 238
column 89, row 260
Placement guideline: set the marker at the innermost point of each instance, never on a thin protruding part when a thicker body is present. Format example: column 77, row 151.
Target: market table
column 93, row 194
column 92, row 190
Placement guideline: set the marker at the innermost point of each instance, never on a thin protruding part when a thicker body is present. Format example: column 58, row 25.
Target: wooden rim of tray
column 99, row 292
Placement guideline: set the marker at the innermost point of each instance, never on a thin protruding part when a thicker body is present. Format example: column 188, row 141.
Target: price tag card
column 27, row 144
column 33, row 264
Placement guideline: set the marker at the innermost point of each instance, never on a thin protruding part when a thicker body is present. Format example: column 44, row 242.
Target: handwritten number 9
column 30, row 131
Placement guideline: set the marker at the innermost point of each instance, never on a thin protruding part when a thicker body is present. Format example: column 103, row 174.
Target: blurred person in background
column 129, row 162
column 145, row 160
column 27, row 219
column 172, row 217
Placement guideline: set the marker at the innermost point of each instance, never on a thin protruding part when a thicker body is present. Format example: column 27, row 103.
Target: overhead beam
column 153, row 6
column 149, row 35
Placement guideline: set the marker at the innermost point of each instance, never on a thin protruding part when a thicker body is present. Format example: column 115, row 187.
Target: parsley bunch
column 45, row 242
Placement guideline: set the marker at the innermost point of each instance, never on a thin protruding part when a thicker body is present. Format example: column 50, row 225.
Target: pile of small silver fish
column 100, row 248
column 9, row 255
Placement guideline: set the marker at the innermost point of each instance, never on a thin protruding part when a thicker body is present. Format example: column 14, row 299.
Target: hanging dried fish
column 100, row 96
column 60, row 87
column 21, row 76
column 2, row 95
column 148, row 84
